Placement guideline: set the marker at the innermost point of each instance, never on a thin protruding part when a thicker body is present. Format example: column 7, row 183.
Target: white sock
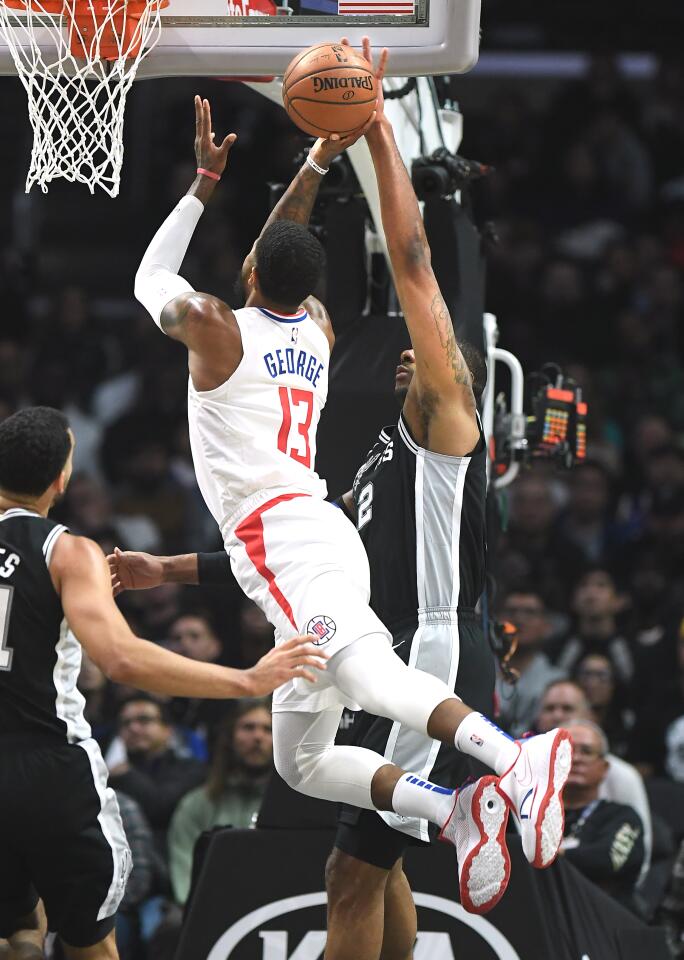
column 415, row 797
column 480, row 738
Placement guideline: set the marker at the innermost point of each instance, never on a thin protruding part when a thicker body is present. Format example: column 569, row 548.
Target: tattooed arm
column 440, row 406
column 205, row 324
column 296, row 204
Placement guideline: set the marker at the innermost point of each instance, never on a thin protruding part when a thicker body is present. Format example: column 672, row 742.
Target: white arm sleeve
column 157, row 282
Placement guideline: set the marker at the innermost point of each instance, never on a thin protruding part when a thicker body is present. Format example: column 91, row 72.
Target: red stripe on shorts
column 251, row 532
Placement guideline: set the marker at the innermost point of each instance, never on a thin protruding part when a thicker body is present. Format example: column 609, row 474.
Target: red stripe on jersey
column 251, row 532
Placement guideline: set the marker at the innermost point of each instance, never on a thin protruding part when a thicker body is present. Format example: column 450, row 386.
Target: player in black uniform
column 419, row 505
column 421, row 518
column 61, row 838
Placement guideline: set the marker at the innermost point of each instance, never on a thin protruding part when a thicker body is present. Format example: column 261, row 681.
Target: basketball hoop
column 77, row 60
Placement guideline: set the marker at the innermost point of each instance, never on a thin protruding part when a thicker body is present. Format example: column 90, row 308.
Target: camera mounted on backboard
column 442, row 174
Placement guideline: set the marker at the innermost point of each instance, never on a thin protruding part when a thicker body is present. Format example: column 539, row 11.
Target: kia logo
column 430, row 946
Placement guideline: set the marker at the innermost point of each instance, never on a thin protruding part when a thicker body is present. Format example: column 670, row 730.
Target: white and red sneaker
column 534, row 788
column 477, row 828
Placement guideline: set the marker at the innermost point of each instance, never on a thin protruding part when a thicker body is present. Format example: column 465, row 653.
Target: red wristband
column 209, row 173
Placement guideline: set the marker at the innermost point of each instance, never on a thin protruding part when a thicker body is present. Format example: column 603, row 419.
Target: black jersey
column 40, row 659
column 421, row 517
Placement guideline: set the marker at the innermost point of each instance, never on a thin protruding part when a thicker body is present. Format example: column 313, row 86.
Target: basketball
column 329, row 88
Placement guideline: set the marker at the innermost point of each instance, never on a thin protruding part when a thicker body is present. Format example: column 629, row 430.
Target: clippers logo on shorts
column 323, row 628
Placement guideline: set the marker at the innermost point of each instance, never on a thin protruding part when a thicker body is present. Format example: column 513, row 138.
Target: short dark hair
column 289, row 261
column 565, row 682
column 477, row 365
column 34, row 448
column 522, row 589
column 142, row 697
column 592, row 568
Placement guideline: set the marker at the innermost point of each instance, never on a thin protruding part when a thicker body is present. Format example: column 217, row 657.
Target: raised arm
column 80, row 575
column 204, row 323
column 440, row 405
column 297, row 204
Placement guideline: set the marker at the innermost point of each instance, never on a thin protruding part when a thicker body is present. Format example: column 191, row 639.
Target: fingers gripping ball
column 328, row 89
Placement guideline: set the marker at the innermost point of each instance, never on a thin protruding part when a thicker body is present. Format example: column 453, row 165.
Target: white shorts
column 302, row 561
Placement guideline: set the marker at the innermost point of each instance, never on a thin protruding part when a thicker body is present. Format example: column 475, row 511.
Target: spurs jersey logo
column 8, row 564
column 374, row 458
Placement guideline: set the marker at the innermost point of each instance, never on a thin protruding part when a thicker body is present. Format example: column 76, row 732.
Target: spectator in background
column 150, row 771
column 71, row 338
column 99, row 708
column 143, row 856
column 519, row 703
column 256, row 633
column 233, row 792
column 654, row 621
column 648, row 433
column 194, row 636
column 664, row 527
column 564, row 701
column 659, row 736
column 90, row 513
column 625, row 162
column 671, row 913
column 596, row 604
column 561, row 701
column 607, row 698
column 531, row 551
column 155, row 610
column 137, row 452
column 586, row 521
column 604, row 840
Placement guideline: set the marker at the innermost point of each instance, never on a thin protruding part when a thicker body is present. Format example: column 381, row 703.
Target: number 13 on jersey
column 297, row 406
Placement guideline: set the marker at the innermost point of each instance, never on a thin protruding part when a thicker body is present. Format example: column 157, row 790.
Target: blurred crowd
column 588, row 199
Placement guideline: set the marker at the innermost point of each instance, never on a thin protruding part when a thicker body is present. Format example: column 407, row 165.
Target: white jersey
column 256, row 433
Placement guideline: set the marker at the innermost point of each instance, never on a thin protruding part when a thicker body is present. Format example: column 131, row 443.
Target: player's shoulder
column 25, row 531
column 320, row 316
column 72, row 553
column 201, row 307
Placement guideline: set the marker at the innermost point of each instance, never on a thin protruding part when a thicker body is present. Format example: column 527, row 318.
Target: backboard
column 239, row 38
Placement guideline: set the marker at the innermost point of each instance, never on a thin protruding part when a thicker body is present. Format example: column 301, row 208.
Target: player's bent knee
column 296, row 767
column 287, row 769
column 370, row 672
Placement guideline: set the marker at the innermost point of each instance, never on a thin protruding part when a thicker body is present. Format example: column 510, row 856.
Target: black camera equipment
column 443, row 173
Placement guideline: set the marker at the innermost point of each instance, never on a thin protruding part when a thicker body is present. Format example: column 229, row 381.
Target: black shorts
column 363, row 833
column 61, row 839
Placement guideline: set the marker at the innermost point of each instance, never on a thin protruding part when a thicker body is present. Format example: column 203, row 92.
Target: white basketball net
column 76, row 102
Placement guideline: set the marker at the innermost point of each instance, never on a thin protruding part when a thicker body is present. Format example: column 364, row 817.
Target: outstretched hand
column 378, row 73
column 324, row 151
column 133, row 570
column 285, row 662
column 209, row 156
